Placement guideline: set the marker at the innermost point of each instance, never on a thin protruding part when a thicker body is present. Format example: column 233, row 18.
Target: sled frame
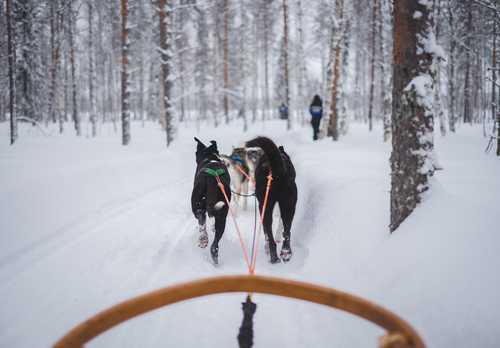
column 107, row 319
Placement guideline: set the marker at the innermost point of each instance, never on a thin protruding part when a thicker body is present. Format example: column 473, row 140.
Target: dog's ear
column 213, row 147
column 200, row 143
column 200, row 146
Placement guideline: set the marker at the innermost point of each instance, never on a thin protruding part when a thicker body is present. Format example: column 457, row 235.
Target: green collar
column 214, row 172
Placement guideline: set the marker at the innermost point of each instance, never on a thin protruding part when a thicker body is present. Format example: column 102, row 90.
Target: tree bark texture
column 468, row 58
column 124, row 75
column 92, row 114
column 11, row 60
column 412, row 119
column 372, row 63
column 74, row 92
column 335, row 59
column 166, row 83
column 226, row 60
column 286, row 72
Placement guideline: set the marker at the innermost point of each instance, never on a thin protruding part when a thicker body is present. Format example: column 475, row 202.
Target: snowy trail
column 99, row 224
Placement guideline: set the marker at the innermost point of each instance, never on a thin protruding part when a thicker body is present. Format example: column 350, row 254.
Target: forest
column 396, row 181
column 74, row 61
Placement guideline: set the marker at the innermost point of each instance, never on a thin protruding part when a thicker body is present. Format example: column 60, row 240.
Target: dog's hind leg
column 287, row 210
column 268, row 230
column 202, row 228
column 220, row 225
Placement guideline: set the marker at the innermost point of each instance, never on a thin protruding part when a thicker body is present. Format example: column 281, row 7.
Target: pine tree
column 412, row 117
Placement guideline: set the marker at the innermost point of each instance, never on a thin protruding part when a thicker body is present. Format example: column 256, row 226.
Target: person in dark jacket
column 316, row 110
column 283, row 111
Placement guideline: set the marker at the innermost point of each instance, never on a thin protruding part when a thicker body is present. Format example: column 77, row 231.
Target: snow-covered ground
column 86, row 223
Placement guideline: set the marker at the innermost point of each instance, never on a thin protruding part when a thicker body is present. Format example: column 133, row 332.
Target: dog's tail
column 272, row 152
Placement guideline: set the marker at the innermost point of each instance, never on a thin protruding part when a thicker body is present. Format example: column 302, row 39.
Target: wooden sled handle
column 121, row 312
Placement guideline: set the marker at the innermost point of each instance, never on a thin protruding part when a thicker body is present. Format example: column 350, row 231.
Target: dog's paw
column 286, row 254
column 203, row 240
column 214, row 252
column 275, row 259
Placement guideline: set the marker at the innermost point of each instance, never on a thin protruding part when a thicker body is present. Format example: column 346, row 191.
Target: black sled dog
column 283, row 191
column 207, row 197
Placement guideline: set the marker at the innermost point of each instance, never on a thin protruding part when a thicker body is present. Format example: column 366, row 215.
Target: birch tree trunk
column 385, row 77
column 412, row 118
column 335, row 59
column 165, row 54
column 438, row 105
column 226, row 60
column 267, row 96
column 451, row 70
column 11, row 60
column 243, row 68
column 125, row 94
column 92, row 114
column 54, row 58
column 467, row 88
column 286, row 71
column 74, row 91
column 372, row 63
column 302, row 73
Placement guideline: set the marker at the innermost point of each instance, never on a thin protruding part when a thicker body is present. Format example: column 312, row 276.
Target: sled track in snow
column 79, row 228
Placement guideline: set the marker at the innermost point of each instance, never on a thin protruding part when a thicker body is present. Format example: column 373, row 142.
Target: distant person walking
column 283, row 111
column 316, row 110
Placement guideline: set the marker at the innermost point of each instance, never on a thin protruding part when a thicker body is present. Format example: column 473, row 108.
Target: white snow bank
column 87, row 223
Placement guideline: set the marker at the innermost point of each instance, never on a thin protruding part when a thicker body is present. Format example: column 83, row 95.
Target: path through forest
column 86, row 224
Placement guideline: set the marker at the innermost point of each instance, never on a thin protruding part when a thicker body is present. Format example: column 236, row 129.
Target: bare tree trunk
column 266, row 64
column 124, row 74
column 467, row 87
column 335, row 58
column 493, row 86
column 215, row 73
column 63, row 117
column 385, row 81
column 76, row 116
column 92, row 114
column 243, row 67
column 11, row 60
column 166, row 83
column 302, row 73
column 286, row 72
column 494, row 72
column 451, row 72
column 412, row 118
column 438, row 105
column 226, row 60
column 54, row 59
column 372, row 63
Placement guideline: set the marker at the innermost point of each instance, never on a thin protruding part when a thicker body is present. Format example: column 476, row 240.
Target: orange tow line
column 250, row 263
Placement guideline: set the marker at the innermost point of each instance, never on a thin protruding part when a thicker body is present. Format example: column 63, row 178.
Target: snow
column 87, row 223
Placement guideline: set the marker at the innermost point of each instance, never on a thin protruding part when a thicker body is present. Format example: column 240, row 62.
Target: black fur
column 206, row 193
column 283, row 191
